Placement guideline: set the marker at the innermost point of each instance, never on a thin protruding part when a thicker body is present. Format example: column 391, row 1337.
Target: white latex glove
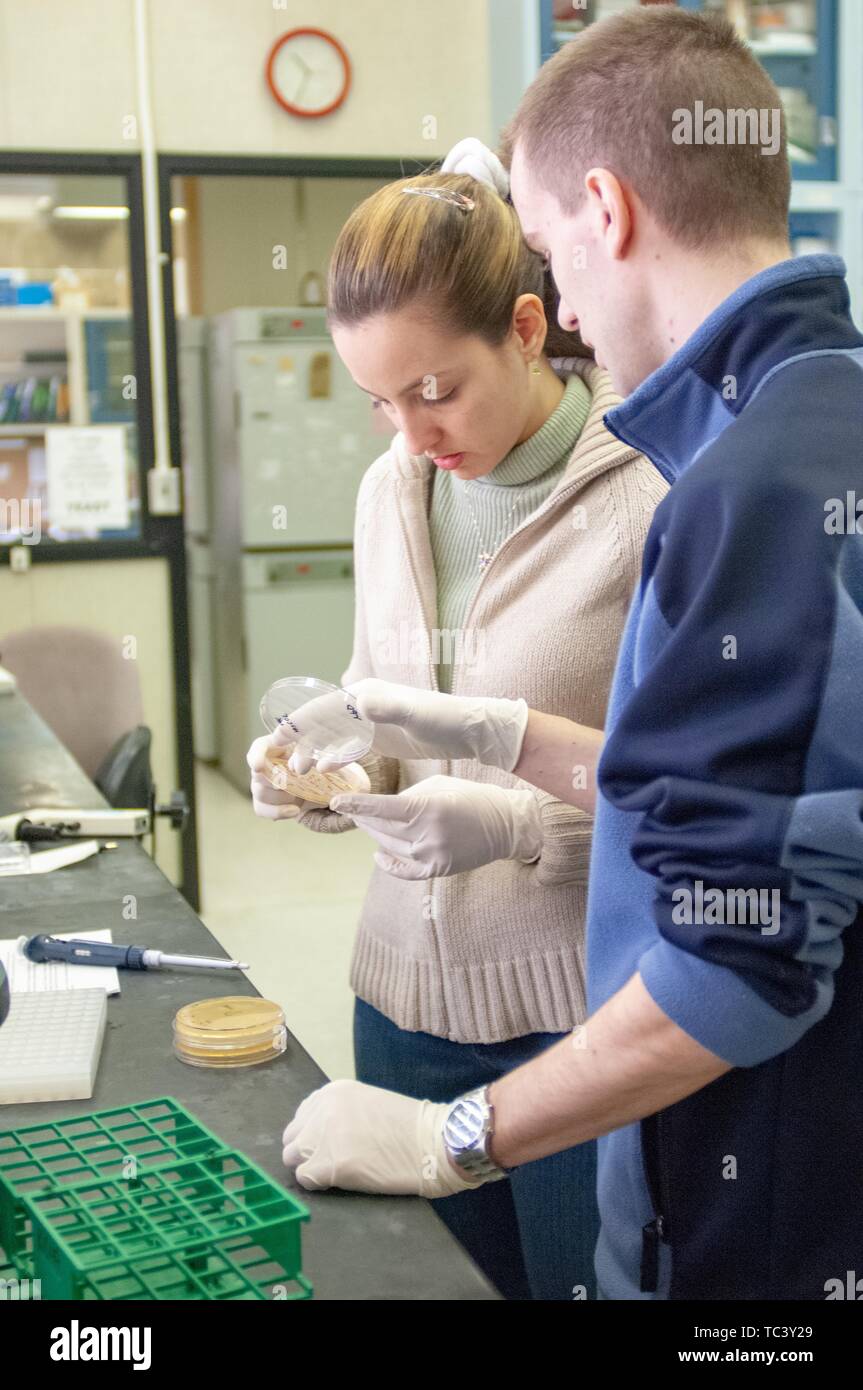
column 471, row 156
column 267, row 800
column 365, row 1139
column 412, row 723
column 328, row 722
column 445, row 825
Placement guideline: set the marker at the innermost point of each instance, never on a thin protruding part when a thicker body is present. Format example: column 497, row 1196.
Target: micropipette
column 48, row 948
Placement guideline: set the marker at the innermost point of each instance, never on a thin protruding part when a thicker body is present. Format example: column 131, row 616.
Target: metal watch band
column 467, row 1131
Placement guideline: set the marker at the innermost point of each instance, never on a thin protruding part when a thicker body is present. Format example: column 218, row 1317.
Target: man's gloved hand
column 365, row 1139
column 412, row 723
column 445, row 825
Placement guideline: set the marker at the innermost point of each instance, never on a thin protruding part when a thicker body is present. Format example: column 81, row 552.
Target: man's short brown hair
column 608, row 98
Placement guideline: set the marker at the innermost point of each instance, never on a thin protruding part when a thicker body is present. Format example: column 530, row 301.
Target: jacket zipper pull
column 651, row 1235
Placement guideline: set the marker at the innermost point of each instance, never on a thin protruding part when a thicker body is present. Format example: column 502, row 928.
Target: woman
column 498, row 541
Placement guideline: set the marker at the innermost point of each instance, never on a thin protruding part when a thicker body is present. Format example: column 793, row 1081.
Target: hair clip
column 446, row 195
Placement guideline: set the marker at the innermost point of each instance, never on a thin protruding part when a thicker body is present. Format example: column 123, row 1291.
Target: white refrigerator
column 292, row 437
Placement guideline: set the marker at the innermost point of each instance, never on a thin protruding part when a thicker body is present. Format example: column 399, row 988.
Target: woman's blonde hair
column 463, row 269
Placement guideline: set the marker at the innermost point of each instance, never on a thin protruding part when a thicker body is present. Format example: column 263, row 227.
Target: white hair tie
column 471, row 156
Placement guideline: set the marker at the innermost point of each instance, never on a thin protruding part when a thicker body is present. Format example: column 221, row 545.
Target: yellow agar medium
column 319, row 787
column 234, row 1031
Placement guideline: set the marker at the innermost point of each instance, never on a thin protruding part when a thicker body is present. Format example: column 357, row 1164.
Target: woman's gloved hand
column 412, row 723
column 366, row 1139
column 267, row 765
column 445, row 825
column 272, row 803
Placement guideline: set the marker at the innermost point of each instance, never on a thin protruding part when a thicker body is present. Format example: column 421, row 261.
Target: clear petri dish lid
column 322, row 719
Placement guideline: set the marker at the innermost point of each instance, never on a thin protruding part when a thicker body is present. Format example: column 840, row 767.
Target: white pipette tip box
column 50, row 1045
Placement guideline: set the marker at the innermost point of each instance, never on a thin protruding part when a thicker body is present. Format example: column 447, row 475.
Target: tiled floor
column 287, row 901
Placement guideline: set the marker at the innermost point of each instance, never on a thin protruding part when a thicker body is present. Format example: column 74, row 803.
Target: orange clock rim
column 271, row 60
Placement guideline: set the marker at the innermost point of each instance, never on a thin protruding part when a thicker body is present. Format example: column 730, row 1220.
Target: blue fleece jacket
column 727, row 862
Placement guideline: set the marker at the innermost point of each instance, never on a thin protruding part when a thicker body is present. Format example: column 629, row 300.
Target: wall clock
column 308, row 72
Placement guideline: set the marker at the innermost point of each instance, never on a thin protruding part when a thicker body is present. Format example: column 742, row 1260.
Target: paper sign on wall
column 320, row 381
column 86, row 474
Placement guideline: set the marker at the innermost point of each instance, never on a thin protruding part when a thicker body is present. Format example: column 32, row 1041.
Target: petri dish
column 322, row 718
column 236, row 1030
column 317, row 787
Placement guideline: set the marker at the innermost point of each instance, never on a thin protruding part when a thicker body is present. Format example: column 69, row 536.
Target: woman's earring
column 536, row 369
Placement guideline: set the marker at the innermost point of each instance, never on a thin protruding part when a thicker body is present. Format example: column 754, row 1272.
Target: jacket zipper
column 431, row 882
column 657, row 1231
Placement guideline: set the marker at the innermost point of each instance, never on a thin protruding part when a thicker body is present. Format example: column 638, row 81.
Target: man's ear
column 610, row 211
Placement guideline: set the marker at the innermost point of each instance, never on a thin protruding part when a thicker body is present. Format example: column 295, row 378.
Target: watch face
column 464, row 1124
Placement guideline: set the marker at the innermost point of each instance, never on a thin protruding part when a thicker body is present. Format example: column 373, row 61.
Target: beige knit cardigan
column 497, row 952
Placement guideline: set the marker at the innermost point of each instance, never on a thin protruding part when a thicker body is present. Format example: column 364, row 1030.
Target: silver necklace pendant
column 485, row 556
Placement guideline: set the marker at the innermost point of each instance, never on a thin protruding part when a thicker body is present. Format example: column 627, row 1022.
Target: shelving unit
column 91, row 400
column 51, row 327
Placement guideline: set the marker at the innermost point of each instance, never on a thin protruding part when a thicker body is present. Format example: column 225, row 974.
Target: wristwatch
column 467, row 1132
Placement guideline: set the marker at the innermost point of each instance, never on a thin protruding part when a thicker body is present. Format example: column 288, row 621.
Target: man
column 725, row 964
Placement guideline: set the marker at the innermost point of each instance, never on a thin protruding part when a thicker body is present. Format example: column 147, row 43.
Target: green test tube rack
column 233, row 1269
column 121, row 1143
column 144, row 1202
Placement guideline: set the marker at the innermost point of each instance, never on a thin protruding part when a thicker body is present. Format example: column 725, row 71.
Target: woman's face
column 460, row 401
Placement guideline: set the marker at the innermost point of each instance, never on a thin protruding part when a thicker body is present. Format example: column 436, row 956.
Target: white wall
column 67, row 74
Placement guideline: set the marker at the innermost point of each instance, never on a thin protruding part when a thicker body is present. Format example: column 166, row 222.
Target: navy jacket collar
column 797, row 306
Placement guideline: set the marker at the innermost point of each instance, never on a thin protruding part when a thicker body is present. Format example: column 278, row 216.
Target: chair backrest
column 125, row 778
column 80, row 683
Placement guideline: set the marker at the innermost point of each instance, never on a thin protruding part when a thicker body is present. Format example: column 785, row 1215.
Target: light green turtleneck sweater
column 468, row 518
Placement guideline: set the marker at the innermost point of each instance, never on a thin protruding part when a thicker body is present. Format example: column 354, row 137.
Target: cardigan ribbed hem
column 496, row 1002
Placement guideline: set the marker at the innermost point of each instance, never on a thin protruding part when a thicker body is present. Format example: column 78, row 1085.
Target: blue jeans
column 534, row 1234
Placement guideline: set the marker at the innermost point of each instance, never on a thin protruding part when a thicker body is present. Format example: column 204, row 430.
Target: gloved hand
column 471, row 156
column 278, row 803
column 268, row 801
column 365, row 1139
column 445, row 825
column 412, row 723
column 330, row 723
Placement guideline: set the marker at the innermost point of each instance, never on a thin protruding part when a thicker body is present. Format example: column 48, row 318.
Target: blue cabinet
column 796, row 40
column 110, row 356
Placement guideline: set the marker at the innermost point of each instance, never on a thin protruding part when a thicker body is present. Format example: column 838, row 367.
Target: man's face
column 591, row 293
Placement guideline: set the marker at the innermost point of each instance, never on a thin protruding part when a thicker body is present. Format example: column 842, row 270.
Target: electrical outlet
column 163, row 491
column 19, row 559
